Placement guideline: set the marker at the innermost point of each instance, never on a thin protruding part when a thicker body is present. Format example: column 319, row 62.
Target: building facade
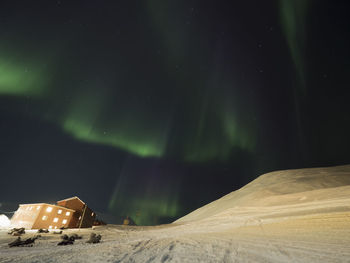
column 83, row 216
column 68, row 213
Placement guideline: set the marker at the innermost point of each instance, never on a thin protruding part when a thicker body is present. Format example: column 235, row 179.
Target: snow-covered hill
column 282, row 188
column 285, row 216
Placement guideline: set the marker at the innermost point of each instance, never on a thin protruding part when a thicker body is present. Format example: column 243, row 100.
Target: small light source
column 64, row 221
column 44, row 218
column 38, row 207
column 92, row 214
column 49, row 209
column 55, row 227
column 67, row 213
column 59, row 211
column 50, row 227
column 55, row 220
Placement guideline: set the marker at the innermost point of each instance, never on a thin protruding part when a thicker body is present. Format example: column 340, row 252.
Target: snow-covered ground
column 287, row 216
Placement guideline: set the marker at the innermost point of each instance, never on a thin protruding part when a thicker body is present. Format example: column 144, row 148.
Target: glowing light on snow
column 4, row 221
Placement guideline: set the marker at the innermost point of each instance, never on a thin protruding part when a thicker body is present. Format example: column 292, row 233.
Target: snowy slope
column 285, row 216
column 282, row 188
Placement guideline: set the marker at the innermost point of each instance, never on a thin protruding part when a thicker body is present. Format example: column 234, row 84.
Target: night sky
column 154, row 108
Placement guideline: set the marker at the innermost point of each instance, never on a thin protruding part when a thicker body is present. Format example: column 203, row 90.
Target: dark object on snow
column 43, row 230
column 23, row 243
column 63, row 228
column 94, row 238
column 58, row 232
column 76, row 236
column 17, row 231
column 66, row 240
column 15, row 243
column 65, row 237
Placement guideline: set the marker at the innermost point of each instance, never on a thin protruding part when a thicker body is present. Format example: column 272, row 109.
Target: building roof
column 36, row 204
column 50, row 205
column 70, row 198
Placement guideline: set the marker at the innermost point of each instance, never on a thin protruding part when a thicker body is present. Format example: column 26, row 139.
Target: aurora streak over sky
column 150, row 100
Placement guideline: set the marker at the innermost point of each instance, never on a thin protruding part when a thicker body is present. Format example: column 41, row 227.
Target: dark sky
column 154, row 108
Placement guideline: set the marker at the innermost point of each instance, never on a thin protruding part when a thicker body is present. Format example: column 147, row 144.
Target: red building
column 83, row 216
column 68, row 213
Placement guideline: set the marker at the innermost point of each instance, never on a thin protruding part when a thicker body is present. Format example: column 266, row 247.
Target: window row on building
column 55, row 220
column 30, row 208
column 48, row 209
column 59, row 211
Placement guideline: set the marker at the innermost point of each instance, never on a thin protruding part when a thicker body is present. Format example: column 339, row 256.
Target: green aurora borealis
column 179, row 95
column 91, row 117
column 293, row 19
column 116, row 113
column 18, row 78
column 166, row 113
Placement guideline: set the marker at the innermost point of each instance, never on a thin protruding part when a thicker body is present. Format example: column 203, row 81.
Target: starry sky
column 154, row 108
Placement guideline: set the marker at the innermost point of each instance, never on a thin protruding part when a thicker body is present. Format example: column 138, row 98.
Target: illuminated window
column 50, row 227
column 59, row 211
column 55, row 227
column 55, row 219
column 92, row 214
column 64, row 221
column 67, row 213
column 44, row 218
column 49, row 209
column 38, row 207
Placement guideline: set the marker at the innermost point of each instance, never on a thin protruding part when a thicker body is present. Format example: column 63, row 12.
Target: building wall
column 56, row 218
column 74, row 223
column 35, row 216
column 89, row 218
column 25, row 216
column 78, row 206
column 74, row 203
